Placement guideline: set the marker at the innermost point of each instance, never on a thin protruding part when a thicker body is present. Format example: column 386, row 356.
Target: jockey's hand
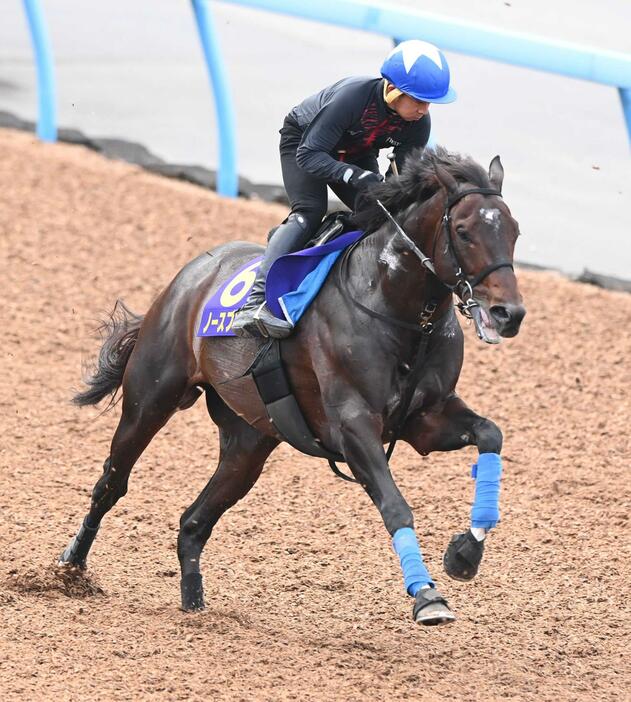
column 363, row 179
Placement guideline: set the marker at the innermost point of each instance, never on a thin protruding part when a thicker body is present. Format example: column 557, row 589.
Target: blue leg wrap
column 487, row 472
column 415, row 573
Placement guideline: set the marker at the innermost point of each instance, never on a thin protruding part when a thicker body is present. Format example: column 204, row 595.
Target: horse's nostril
column 507, row 318
column 501, row 313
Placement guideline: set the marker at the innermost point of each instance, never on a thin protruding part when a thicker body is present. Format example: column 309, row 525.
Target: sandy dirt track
column 304, row 595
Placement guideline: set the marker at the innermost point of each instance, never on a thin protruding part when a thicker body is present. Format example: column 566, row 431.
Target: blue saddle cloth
column 293, row 282
column 295, row 279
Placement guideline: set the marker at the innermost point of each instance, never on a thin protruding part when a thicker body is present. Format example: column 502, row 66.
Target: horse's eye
column 464, row 236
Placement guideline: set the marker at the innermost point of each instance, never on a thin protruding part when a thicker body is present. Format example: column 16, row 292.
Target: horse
column 355, row 367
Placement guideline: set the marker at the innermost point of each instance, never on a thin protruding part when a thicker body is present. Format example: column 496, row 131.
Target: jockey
column 333, row 138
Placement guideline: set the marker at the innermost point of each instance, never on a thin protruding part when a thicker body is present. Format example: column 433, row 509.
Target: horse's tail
column 121, row 333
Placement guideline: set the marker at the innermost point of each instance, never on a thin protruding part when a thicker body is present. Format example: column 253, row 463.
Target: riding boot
column 244, row 322
column 255, row 319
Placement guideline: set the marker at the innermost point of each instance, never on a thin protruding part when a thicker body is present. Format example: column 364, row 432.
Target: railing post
column 47, row 112
column 625, row 98
column 227, row 177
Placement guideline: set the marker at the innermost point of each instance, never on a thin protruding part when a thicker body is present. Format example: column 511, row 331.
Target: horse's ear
column 446, row 179
column 496, row 173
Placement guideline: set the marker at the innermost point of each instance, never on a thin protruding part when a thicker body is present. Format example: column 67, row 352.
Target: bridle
column 464, row 285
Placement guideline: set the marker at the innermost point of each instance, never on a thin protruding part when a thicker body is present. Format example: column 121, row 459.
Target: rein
column 373, row 313
column 463, row 286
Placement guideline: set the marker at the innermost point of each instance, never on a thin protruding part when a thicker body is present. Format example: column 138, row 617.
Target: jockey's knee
column 297, row 228
column 308, row 219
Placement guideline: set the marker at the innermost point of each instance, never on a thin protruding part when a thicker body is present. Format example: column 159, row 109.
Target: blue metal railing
column 227, row 176
column 606, row 67
column 564, row 58
column 464, row 37
column 47, row 112
column 625, row 98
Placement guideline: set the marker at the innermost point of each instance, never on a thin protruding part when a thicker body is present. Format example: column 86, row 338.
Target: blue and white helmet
column 418, row 69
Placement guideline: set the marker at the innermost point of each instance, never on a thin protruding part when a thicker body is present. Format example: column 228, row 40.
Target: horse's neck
column 393, row 274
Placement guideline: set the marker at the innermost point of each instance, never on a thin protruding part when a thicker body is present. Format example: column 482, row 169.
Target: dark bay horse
column 350, row 361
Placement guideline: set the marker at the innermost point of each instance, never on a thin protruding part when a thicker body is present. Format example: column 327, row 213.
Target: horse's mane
column 417, row 182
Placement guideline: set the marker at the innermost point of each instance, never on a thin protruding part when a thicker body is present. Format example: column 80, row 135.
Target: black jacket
column 348, row 122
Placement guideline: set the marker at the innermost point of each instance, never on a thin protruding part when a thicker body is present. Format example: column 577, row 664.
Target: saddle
column 333, row 225
column 292, row 283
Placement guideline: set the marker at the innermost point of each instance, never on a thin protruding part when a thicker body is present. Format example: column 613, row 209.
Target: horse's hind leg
column 149, row 399
column 243, row 452
column 454, row 427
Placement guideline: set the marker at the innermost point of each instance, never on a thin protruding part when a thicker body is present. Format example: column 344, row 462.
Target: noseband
column 464, row 285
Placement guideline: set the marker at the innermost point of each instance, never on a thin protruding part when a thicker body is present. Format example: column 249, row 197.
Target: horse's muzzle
column 507, row 318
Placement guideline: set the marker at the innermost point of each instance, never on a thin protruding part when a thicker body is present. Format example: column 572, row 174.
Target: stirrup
column 271, row 326
column 245, row 325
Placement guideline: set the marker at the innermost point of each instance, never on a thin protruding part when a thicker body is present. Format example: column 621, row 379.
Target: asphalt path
column 135, row 71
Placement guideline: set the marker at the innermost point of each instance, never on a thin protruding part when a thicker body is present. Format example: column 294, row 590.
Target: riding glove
column 363, row 179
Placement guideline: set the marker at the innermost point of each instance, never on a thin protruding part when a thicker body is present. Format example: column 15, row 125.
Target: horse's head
column 451, row 209
column 473, row 252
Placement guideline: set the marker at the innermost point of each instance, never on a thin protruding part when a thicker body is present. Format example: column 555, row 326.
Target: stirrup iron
column 257, row 318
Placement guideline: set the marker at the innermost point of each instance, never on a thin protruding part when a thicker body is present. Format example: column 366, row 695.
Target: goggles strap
column 391, row 96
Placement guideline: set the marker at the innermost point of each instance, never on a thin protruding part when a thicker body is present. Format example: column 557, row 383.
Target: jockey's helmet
column 419, row 69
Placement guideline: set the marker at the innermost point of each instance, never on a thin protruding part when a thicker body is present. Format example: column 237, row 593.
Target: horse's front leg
column 363, row 450
column 454, row 427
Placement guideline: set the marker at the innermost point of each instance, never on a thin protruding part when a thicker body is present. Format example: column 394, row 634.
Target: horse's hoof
column 76, row 554
column 430, row 608
column 462, row 557
column 65, row 563
column 68, row 558
column 192, row 592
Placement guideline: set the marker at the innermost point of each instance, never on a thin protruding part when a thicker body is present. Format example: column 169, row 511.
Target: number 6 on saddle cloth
column 292, row 283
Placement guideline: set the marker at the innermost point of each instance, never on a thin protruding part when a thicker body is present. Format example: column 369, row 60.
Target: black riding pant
column 308, row 194
column 308, row 198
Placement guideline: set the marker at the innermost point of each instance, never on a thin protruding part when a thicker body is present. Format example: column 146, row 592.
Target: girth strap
column 282, row 407
column 281, row 404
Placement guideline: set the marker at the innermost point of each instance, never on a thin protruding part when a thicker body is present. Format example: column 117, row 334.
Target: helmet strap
column 391, row 96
